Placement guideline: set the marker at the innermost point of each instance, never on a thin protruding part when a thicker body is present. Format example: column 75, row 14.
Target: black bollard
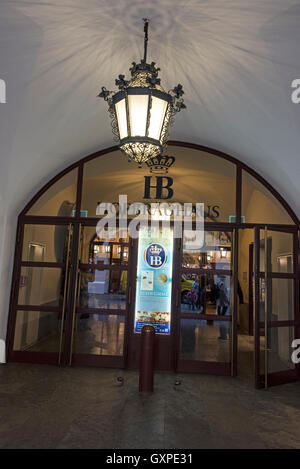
column 147, row 359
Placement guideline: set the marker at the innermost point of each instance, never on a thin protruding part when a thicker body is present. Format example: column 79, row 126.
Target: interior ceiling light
column 142, row 111
column 223, row 253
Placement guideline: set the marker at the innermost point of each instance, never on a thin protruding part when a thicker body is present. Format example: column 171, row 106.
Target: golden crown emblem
column 160, row 164
column 154, row 249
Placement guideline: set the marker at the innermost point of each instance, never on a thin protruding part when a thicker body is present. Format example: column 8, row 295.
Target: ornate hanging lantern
column 141, row 111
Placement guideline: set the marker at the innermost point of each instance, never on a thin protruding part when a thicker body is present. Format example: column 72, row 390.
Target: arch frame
column 24, row 218
column 240, row 166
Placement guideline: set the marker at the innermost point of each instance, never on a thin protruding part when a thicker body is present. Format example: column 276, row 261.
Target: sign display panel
column 154, row 280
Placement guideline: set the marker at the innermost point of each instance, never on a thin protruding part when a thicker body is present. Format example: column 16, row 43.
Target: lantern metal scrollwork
column 142, row 111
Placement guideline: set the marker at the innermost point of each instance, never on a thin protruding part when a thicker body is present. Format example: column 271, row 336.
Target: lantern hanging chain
column 146, row 24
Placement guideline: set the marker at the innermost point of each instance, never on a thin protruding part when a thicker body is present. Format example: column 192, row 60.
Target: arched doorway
column 73, row 298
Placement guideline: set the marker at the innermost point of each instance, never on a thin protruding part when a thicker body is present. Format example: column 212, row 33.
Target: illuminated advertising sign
column 154, row 280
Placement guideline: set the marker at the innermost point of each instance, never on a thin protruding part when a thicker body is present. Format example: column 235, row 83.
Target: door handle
column 266, row 306
column 74, row 314
column 76, row 290
column 65, row 294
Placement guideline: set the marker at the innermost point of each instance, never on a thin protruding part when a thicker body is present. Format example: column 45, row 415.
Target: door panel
column 276, row 311
column 41, row 297
column 100, row 310
column 206, row 306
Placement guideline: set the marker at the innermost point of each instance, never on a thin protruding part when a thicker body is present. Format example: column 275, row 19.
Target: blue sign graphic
column 154, row 280
column 155, row 256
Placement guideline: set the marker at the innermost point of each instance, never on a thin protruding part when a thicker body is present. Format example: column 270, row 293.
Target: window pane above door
column 259, row 205
column 193, row 176
column 59, row 200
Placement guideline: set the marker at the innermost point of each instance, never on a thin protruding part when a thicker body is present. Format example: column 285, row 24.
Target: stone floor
column 48, row 407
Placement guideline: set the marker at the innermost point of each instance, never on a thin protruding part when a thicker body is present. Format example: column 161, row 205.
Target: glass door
column 41, row 293
column 276, row 306
column 99, row 316
column 205, row 319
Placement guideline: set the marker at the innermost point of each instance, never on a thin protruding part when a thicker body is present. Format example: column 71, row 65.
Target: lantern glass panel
column 122, row 118
column 158, row 112
column 138, row 109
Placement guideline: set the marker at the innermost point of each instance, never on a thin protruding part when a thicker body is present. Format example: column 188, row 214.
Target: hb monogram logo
column 161, row 184
column 155, row 256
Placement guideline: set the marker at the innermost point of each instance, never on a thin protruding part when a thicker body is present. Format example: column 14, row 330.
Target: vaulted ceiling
column 236, row 60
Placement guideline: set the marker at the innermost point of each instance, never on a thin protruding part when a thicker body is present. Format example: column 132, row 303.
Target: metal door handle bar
column 232, row 279
column 65, row 294
column 266, row 307
column 77, row 290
